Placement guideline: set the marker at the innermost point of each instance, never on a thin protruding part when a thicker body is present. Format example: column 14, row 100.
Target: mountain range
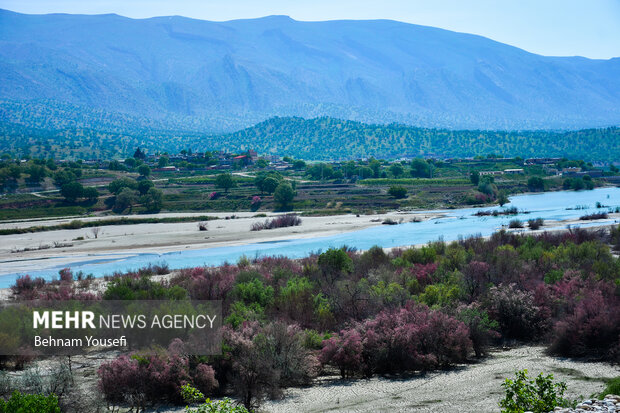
column 108, row 71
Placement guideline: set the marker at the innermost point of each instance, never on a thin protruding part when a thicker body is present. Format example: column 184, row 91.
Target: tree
column 153, row 200
column 398, row 191
column 284, row 195
column 420, row 168
column 365, row 172
column 502, row 198
column 320, row 171
column 144, row 186
column 144, row 170
column 125, row 199
column 91, row 193
column 225, row 181
column 334, row 262
column 72, row 191
column 130, row 162
column 118, row 185
column 162, row 161
column 375, row 165
column 37, row 173
column 299, row 165
column 397, row 170
column 138, row 154
column 267, row 182
column 262, row 163
column 536, row 183
column 474, row 177
column 63, row 177
column 270, row 184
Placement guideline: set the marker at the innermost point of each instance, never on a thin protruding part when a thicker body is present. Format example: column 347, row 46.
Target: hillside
column 212, row 77
column 315, row 139
column 328, row 138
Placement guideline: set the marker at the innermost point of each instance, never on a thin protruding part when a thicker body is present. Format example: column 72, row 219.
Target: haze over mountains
column 178, row 73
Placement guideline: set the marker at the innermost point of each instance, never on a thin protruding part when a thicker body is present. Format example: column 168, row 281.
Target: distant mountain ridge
column 214, row 77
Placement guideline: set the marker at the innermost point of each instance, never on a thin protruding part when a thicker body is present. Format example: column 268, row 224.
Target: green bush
column 30, row 403
column 539, row 395
column 192, row 395
column 613, row 387
column 397, row 191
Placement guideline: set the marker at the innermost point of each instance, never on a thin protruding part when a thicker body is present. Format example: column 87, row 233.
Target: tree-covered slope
column 328, row 138
column 313, row 139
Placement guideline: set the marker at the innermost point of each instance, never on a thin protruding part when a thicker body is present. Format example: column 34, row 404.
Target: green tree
column 397, row 191
column 334, row 262
column 262, row 163
column 284, row 195
column 91, row 193
column 118, row 185
column 125, row 199
column 397, row 170
column 225, row 181
column 72, row 191
column 162, row 161
column 320, row 171
column 420, row 168
column 502, row 198
column 64, row 177
column 36, row 173
column 375, row 165
column 153, row 200
column 536, row 183
column 144, row 170
column 130, row 162
column 270, row 184
column 474, row 177
column 144, row 185
column 300, row 165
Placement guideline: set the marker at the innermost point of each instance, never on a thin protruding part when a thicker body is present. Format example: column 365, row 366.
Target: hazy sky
column 588, row 28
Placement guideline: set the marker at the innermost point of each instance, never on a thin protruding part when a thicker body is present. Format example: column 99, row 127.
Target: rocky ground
column 610, row 404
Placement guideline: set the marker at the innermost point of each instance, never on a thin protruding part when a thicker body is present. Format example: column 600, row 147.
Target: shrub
column 334, row 262
column 407, row 339
column 593, row 330
column 141, row 379
column 27, row 287
column 282, row 221
column 192, row 395
column 129, row 288
column 264, row 359
column 344, row 351
column 29, row 403
column 424, row 255
column 540, row 395
column 204, row 283
column 593, row 216
column 397, row 191
column 611, row 387
column 535, row 224
column 515, row 311
column 515, row 223
column 482, row 330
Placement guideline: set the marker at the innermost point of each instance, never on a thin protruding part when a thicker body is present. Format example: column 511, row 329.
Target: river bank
column 179, row 245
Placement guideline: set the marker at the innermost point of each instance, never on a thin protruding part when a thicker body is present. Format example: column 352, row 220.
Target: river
column 551, row 206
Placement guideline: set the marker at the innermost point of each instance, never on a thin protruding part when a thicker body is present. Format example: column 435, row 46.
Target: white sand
column 470, row 388
column 144, row 238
